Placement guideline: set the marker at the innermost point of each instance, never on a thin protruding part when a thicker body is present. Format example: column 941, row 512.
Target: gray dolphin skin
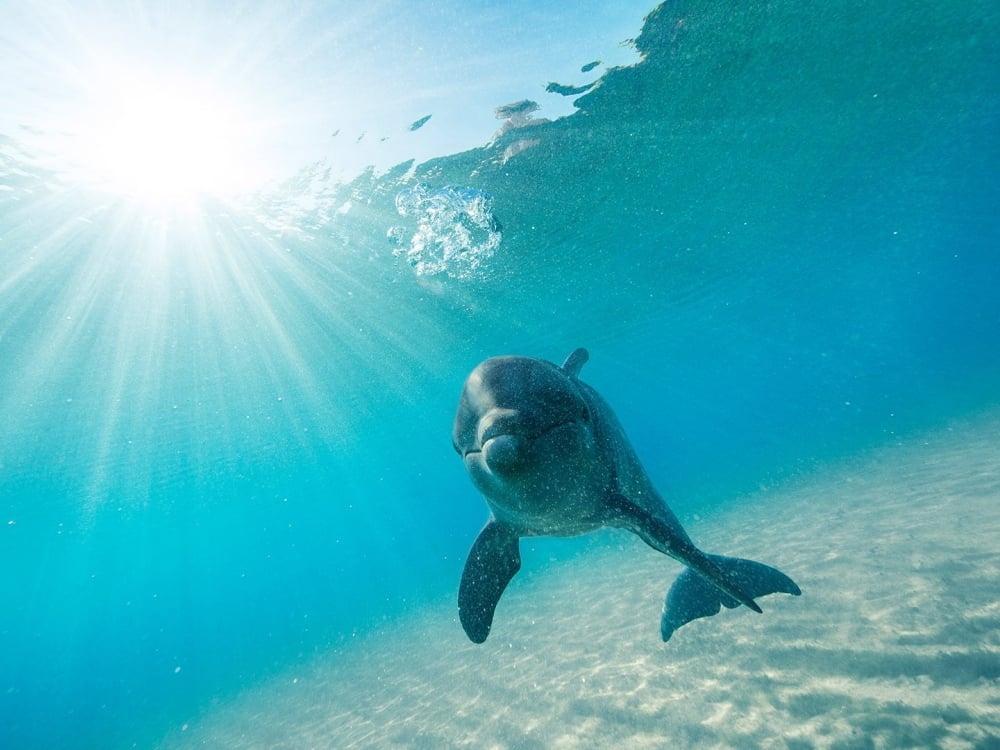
column 550, row 458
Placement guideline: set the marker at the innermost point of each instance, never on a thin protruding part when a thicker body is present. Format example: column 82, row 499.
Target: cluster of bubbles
column 456, row 230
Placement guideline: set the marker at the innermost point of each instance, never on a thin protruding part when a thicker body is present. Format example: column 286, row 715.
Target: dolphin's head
column 525, row 433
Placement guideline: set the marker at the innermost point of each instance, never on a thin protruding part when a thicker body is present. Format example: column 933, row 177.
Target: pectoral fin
column 493, row 560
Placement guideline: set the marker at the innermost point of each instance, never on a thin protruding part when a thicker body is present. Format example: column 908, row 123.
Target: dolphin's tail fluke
column 694, row 595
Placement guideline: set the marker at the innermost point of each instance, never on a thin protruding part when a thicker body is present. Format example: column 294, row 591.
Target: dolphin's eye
column 586, row 414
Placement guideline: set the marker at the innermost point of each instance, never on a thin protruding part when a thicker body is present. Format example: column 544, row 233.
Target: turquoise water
column 225, row 433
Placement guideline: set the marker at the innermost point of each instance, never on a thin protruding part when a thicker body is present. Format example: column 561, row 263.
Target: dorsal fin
column 575, row 362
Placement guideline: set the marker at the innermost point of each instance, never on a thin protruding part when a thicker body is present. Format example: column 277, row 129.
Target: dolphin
column 551, row 459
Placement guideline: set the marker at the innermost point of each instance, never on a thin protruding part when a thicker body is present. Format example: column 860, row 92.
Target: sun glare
column 165, row 140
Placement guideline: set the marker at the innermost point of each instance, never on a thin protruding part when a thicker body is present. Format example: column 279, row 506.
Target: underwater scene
column 462, row 375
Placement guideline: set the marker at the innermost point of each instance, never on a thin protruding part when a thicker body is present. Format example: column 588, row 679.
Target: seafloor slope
column 894, row 643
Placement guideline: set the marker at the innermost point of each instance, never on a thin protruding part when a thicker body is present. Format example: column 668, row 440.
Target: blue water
column 225, row 439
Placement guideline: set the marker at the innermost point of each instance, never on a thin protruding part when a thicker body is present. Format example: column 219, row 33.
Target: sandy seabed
column 895, row 642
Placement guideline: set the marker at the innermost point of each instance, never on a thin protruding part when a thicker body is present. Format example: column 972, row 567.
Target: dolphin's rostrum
column 551, row 459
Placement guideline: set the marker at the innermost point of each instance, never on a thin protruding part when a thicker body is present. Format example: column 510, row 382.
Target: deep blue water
column 225, row 441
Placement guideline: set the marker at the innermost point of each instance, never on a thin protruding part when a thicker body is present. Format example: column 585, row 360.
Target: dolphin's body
column 551, row 459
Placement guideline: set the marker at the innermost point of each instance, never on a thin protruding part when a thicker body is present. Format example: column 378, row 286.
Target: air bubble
column 456, row 230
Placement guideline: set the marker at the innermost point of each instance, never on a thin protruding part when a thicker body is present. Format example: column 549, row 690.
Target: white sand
column 895, row 642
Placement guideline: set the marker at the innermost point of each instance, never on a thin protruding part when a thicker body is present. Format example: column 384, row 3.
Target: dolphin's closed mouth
column 499, row 430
